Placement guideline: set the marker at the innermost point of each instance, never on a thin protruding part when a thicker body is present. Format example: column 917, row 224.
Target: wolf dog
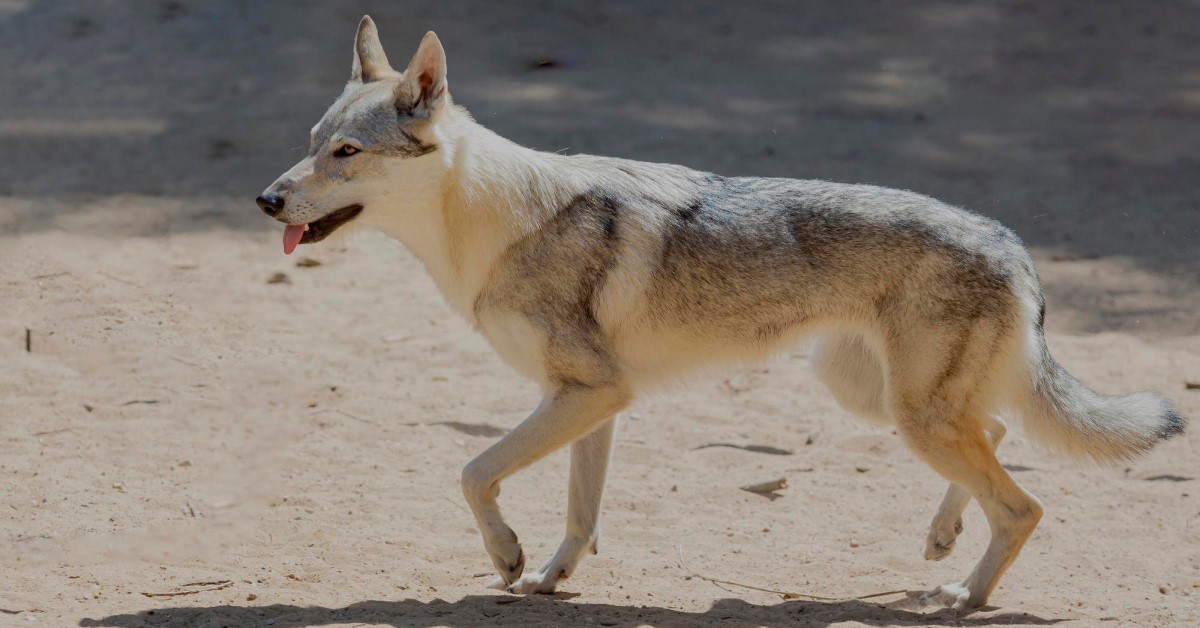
column 601, row 278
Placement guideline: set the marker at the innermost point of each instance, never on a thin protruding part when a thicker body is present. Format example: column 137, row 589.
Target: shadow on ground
column 546, row 611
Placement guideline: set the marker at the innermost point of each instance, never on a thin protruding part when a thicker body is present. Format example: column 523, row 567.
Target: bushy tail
column 1064, row 414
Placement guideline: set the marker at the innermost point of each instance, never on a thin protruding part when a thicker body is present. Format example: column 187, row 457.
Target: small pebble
column 853, row 543
column 251, row 597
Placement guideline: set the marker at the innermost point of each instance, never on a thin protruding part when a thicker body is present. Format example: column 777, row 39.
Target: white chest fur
column 516, row 341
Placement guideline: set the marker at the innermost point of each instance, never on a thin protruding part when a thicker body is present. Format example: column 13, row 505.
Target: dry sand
column 180, row 419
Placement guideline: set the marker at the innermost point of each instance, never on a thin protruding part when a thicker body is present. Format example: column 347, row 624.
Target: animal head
column 374, row 156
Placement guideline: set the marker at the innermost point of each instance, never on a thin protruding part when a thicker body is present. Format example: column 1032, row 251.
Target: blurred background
column 1076, row 123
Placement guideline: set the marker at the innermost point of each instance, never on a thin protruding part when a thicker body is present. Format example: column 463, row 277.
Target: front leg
column 589, row 468
column 564, row 416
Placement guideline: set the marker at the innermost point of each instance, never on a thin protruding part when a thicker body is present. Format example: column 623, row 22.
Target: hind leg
column 937, row 377
column 966, row 459
column 940, row 376
column 947, row 523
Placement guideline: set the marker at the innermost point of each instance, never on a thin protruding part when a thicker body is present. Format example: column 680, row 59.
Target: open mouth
column 319, row 229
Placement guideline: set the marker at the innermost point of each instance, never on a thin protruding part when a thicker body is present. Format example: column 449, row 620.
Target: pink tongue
column 291, row 237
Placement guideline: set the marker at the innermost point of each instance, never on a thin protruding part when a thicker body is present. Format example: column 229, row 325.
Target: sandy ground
column 180, row 419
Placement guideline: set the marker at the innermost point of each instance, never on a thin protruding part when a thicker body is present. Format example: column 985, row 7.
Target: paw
column 537, row 582
column 940, row 541
column 510, row 571
column 508, row 557
column 955, row 597
column 559, row 568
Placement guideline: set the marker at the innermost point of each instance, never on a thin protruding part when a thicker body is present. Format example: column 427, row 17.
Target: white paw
column 942, row 536
column 507, row 556
column 537, row 582
column 559, row 568
column 953, row 596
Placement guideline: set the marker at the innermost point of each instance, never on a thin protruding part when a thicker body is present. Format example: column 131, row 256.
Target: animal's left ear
column 426, row 76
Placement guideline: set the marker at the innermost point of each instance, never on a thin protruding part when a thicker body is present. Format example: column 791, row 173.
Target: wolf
column 602, row 278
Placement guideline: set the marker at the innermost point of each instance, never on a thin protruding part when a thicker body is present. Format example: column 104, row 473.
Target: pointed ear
column 426, row 75
column 370, row 62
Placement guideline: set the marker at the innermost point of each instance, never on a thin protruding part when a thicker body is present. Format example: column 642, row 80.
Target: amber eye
column 345, row 150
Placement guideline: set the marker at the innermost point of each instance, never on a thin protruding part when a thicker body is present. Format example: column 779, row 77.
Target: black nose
column 270, row 203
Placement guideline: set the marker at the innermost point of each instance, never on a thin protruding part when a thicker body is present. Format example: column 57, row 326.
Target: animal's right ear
column 370, row 62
